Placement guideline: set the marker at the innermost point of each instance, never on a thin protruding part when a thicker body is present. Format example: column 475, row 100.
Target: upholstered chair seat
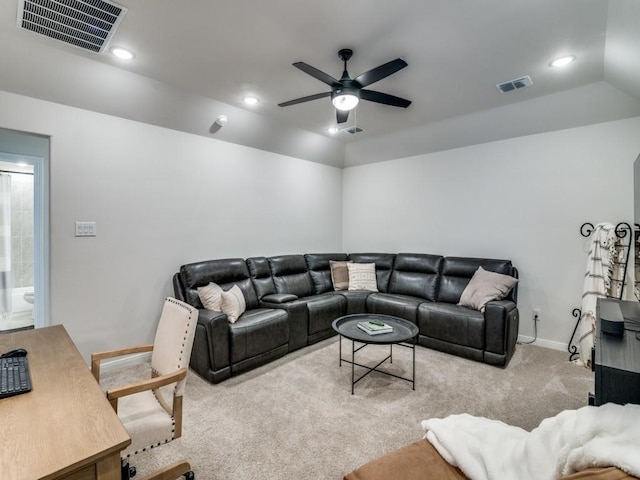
column 147, row 422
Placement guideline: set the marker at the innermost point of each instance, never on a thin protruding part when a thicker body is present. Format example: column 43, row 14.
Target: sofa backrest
column 261, row 276
column 290, row 275
column 320, row 269
column 457, row 271
column 225, row 272
column 384, row 266
column 416, row 274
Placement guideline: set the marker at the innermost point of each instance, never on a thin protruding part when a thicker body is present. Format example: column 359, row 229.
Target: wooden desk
column 63, row 428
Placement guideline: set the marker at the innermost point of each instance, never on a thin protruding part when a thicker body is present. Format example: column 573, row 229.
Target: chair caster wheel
column 127, row 472
column 189, row 476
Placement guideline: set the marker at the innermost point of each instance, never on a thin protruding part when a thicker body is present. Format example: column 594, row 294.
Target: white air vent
column 352, row 130
column 515, row 84
column 87, row 24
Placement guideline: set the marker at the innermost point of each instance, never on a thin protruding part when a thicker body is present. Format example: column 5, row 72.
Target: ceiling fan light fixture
column 345, row 99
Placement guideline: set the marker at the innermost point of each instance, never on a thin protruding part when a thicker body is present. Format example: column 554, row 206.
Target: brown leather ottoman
column 417, row 461
column 421, row 461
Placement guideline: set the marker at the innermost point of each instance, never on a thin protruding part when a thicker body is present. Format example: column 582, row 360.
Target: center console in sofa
column 291, row 302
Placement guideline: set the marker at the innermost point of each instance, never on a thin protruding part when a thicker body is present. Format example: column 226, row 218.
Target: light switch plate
column 85, row 229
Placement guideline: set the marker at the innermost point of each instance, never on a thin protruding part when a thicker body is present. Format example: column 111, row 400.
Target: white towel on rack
column 597, row 284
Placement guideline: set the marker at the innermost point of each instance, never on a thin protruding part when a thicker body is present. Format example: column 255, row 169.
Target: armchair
column 147, row 415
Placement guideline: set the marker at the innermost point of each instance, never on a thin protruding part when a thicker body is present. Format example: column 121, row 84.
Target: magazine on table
column 375, row 327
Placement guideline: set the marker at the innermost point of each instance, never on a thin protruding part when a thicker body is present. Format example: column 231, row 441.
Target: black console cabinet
column 617, row 359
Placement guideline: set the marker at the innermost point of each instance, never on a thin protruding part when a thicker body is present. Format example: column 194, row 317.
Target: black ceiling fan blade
column 315, row 73
column 342, row 115
column 378, row 73
column 305, row 99
column 384, row 98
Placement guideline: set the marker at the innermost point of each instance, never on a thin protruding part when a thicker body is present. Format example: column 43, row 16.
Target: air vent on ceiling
column 87, row 24
column 515, row 84
column 352, row 130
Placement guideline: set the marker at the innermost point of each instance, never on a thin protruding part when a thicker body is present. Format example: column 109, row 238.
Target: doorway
column 24, row 231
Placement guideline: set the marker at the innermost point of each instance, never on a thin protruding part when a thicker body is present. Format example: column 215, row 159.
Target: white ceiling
column 196, row 59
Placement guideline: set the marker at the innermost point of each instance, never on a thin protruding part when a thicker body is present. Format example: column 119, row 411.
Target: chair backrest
column 174, row 339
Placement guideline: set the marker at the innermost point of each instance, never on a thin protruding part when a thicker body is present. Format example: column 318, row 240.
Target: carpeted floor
column 296, row 418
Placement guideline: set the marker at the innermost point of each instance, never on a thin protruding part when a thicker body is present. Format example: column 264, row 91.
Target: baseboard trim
column 541, row 342
column 117, row 363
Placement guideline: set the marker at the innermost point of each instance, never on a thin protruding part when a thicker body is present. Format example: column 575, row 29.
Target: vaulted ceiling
column 197, row 59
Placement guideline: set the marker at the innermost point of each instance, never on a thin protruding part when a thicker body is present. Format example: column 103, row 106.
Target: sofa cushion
column 211, row 296
column 261, row 276
column 233, row 304
column 356, row 300
column 484, row 287
column 290, row 275
column 362, row 276
column 256, row 332
column 402, row 306
column 384, row 266
column 323, row 310
column 452, row 323
column 319, row 266
column 457, row 272
column 416, row 275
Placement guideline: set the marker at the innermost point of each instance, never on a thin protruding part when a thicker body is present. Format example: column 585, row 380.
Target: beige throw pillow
column 211, row 296
column 484, row 287
column 362, row 276
column 339, row 274
column 233, row 303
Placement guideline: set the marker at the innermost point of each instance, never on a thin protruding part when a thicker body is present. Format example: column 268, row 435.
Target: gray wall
column 523, row 199
column 161, row 198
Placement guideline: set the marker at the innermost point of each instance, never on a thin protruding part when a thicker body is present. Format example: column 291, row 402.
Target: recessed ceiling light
column 333, row 130
column 122, row 53
column 250, row 100
column 562, row 61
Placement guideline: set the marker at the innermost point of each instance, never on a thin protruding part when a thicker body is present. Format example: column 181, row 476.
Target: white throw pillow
column 362, row 276
column 484, row 287
column 233, row 303
column 211, row 296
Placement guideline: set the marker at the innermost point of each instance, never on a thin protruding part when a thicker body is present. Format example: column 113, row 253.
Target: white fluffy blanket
column 567, row 443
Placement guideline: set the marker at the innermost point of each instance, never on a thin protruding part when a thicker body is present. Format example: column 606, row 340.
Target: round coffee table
column 404, row 334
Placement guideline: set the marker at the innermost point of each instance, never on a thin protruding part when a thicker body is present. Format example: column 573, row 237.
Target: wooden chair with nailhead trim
column 151, row 410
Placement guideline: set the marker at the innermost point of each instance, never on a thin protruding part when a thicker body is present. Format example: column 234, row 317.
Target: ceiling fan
column 346, row 92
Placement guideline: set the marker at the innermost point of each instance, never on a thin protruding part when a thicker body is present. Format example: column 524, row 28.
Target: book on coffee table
column 375, row 328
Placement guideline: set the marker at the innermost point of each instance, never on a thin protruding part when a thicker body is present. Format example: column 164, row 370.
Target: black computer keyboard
column 14, row 376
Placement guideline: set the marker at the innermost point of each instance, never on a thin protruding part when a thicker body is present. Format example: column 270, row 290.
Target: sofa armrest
column 279, row 298
column 297, row 317
column 211, row 346
column 501, row 327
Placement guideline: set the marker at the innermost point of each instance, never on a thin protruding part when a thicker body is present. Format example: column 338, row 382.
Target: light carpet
column 295, row 418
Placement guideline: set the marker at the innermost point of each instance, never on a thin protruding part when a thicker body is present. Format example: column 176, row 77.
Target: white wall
column 523, row 199
column 161, row 198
